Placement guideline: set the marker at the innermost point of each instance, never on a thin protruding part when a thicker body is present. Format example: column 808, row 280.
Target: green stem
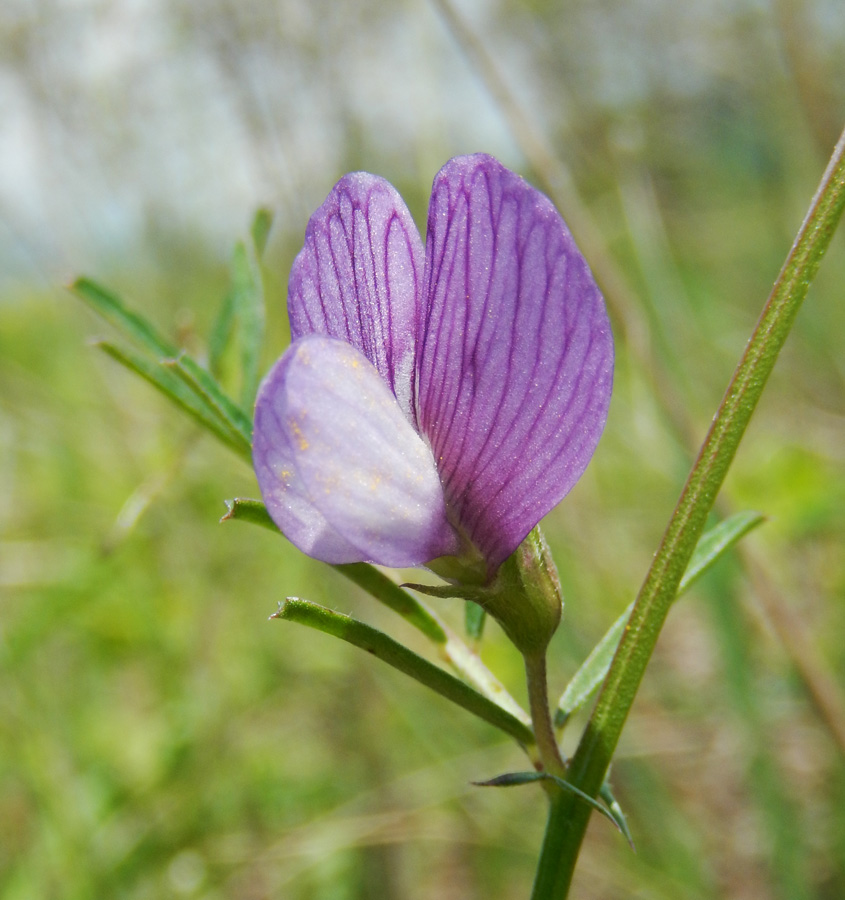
column 538, row 699
column 567, row 817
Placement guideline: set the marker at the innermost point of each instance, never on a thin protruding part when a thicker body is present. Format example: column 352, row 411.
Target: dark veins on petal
column 516, row 358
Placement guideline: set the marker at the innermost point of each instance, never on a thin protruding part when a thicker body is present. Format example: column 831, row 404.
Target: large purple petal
column 516, row 358
column 350, row 456
column 357, row 278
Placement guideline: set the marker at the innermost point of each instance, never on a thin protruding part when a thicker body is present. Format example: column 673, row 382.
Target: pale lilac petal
column 353, row 455
column 357, row 278
column 516, row 358
column 282, row 489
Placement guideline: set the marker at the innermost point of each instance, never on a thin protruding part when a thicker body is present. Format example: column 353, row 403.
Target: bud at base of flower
column 524, row 596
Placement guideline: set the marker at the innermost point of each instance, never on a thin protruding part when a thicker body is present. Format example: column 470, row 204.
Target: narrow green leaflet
column 615, row 811
column 451, row 649
column 130, row 323
column 367, row 577
column 378, row 585
column 175, row 390
column 207, row 389
column 400, row 657
column 174, row 373
column 249, row 511
column 514, row 779
column 586, row 680
column 715, row 543
column 712, row 546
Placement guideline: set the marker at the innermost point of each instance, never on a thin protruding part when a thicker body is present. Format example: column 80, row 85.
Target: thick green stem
column 568, row 817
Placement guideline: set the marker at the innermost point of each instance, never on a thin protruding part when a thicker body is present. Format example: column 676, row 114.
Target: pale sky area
column 123, row 117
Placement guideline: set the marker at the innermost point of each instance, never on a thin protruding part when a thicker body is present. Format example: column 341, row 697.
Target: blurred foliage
column 158, row 737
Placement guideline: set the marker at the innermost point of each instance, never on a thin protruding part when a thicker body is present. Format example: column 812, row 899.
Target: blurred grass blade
column 260, row 231
column 249, row 310
column 243, row 308
column 175, row 390
column 400, row 657
column 712, row 546
column 221, row 332
column 131, row 324
column 205, row 386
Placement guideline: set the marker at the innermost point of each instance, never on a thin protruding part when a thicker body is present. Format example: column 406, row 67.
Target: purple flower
column 432, row 402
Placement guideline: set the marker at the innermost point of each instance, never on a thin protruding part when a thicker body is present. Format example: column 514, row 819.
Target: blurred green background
column 158, row 736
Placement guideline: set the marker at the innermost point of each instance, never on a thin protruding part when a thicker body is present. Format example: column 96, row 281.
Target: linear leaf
column 618, row 816
column 249, row 511
column 400, row 657
column 206, row 387
column 451, row 649
column 221, row 332
column 512, row 779
column 131, row 324
column 243, row 306
column 378, row 585
column 175, row 390
column 715, row 543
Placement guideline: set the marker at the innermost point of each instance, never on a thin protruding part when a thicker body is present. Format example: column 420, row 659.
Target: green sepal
column 449, row 591
column 525, row 597
column 474, row 619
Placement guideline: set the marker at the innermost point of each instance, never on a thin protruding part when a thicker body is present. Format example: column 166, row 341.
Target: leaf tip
column 230, row 510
